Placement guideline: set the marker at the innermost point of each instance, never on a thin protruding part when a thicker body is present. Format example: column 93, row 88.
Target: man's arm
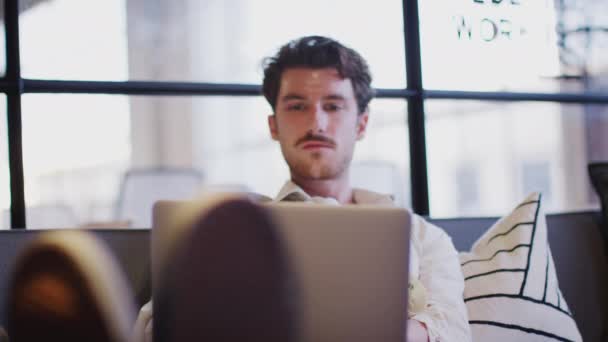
column 445, row 316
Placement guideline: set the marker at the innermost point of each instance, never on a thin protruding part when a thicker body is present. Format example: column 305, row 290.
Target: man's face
column 317, row 122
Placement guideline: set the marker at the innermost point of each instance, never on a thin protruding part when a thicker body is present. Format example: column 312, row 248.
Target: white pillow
column 511, row 289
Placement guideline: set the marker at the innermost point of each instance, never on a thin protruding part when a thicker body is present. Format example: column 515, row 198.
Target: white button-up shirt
column 433, row 261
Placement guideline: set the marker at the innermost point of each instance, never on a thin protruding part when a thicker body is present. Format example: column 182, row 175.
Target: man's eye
column 295, row 106
column 332, row 107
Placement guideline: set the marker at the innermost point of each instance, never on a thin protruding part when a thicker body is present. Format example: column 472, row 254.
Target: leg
column 228, row 281
column 67, row 287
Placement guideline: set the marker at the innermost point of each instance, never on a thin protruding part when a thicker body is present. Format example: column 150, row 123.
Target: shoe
column 68, row 287
column 228, row 280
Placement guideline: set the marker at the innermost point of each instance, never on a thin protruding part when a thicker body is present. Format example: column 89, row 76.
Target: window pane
column 3, row 42
column 192, row 40
column 79, row 148
column 71, row 39
column 75, row 150
column 5, row 194
column 382, row 159
column 545, row 45
column 484, row 157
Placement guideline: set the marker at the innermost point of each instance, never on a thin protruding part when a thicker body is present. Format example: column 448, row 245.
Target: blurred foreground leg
column 229, row 280
column 68, row 287
column 3, row 335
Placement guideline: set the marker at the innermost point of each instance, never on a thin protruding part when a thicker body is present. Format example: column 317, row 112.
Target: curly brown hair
column 318, row 52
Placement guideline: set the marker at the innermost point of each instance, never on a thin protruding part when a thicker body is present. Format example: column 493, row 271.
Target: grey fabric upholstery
column 575, row 240
column 580, row 259
column 598, row 173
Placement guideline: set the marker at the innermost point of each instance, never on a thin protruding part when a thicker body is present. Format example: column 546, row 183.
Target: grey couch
column 575, row 239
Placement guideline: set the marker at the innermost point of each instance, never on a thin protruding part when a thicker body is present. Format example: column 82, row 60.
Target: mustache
column 315, row 137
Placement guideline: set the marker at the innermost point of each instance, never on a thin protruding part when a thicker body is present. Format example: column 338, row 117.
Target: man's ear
column 272, row 125
column 362, row 124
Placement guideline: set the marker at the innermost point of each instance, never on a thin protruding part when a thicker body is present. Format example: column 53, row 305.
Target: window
column 536, row 176
column 75, row 173
column 511, row 149
column 381, row 161
column 489, row 116
column 192, row 40
column 75, row 40
column 543, row 45
column 466, row 179
column 75, row 148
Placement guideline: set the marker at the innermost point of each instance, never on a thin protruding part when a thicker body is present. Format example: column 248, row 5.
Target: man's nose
column 319, row 119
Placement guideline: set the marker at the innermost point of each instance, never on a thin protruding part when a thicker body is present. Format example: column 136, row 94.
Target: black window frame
column 13, row 85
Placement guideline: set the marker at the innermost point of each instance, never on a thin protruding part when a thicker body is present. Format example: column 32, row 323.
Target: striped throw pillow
column 511, row 289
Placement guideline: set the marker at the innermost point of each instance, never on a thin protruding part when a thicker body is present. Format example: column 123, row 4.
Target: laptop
column 351, row 264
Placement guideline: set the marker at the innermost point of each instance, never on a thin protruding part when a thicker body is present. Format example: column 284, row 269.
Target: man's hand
column 416, row 331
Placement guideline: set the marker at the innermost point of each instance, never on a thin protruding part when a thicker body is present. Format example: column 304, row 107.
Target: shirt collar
column 360, row 196
column 291, row 188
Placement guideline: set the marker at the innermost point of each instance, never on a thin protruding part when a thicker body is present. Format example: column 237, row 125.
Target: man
column 319, row 91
